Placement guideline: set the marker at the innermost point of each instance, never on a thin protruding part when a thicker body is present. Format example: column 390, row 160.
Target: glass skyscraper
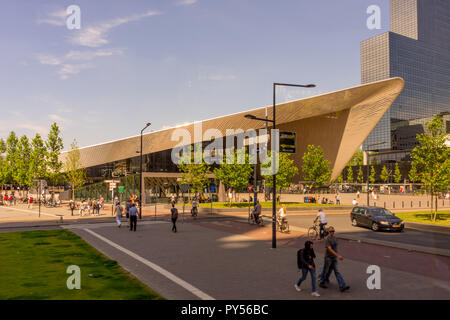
column 417, row 49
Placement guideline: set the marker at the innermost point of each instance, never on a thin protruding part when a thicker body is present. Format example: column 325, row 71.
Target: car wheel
column 354, row 222
column 375, row 226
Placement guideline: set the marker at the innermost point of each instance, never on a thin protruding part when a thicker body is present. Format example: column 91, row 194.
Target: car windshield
column 380, row 212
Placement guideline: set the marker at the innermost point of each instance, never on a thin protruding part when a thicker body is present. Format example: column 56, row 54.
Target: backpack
column 300, row 258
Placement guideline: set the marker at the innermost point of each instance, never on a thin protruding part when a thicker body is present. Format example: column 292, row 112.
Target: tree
column 360, row 177
column 384, row 174
column 54, row 146
column 286, row 171
column 23, row 172
column 73, row 169
column 431, row 160
column 372, row 177
column 193, row 174
column 316, row 168
column 234, row 175
column 37, row 158
column 10, row 170
column 350, row 175
column 413, row 175
column 2, row 162
column 398, row 177
column 357, row 159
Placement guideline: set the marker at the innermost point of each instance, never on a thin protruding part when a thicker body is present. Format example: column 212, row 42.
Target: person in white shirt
column 282, row 213
column 354, row 202
column 322, row 222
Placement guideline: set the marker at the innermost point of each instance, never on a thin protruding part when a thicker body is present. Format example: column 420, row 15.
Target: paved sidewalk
column 231, row 260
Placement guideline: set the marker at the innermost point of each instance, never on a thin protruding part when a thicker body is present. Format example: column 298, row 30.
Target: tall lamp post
column 140, row 174
column 367, row 164
column 274, row 153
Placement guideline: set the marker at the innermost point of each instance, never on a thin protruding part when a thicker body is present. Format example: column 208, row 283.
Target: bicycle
column 314, row 231
column 283, row 226
column 194, row 212
column 251, row 219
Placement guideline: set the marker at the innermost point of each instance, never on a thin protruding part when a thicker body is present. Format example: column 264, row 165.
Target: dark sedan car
column 376, row 218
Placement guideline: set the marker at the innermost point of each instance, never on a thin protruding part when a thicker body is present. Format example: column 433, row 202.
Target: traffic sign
column 112, row 185
column 108, row 181
column 121, row 189
column 250, row 188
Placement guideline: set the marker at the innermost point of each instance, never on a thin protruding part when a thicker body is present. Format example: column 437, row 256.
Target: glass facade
column 418, row 50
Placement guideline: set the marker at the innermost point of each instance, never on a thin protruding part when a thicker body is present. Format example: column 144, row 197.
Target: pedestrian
column 305, row 262
column 30, row 202
column 89, row 205
column 357, row 194
column 257, row 211
column 331, row 262
column 102, row 201
column 133, row 217
column 71, row 206
column 354, row 202
column 11, row 198
column 322, row 222
column 82, row 207
column 174, row 217
column 94, row 207
column 119, row 210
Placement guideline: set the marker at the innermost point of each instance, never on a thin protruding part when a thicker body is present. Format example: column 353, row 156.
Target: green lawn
column 266, row 204
column 442, row 219
column 33, row 265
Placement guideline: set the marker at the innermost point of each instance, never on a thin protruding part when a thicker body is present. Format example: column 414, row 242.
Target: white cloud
column 57, row 118
column 186, row 2
column 217, row 77
column 35, row 128
column 55, row 18
column 95, row 36
column 69, row 64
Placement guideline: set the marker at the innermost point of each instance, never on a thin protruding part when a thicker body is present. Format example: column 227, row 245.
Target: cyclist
column 257, row 211
column 282, row 217
column 322, row 222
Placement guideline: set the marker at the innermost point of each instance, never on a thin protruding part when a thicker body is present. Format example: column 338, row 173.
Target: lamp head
column 250, row 116
column 311, row 86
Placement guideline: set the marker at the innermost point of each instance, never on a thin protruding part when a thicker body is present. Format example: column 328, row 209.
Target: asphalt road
column 343, row 226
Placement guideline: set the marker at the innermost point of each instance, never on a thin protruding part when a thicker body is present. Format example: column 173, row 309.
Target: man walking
column 257, row 211
column 174, row 217
column 305, row 262
column 133, row 217
column 331, row 262
column 119, row 210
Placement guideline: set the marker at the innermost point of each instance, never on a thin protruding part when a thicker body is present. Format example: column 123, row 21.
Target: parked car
column 376, row 218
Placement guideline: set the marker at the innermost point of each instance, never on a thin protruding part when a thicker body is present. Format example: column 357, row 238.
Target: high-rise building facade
column 417, row 49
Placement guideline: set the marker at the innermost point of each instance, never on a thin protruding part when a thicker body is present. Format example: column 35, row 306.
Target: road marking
column 30, row 211
column 195, row 291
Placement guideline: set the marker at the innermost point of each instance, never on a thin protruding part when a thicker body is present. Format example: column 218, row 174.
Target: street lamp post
column 274, row 154
column 367, row 164
column 140, row 175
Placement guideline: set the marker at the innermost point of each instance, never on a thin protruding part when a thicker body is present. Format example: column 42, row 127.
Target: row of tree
column 385, row 175
column 23, row 160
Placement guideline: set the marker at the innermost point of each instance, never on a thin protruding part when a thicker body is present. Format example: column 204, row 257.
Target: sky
column 169, row 62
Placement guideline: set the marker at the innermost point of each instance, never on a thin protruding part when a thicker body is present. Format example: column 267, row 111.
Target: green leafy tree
column 10, row 171
column 350, row 175
column 384, row 174
column 431, row 160
column 54, row 146
column 398, row 177
column 192, row 173
column 357, row 159
column 2, row 162
column 73, row 169
column 316, row 168
column 23, row 173
column 413, row 175
column 339, row 179
column 234, row 175
column 286, row 171
column 372, row 177
column 360, row 177
column 37, row 158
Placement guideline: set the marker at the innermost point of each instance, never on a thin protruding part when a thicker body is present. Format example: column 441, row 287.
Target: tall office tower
column 417, row 49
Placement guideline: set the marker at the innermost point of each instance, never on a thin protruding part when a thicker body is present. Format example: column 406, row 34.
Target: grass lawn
column 266, row 204
column 442, row 218
column 33, row 265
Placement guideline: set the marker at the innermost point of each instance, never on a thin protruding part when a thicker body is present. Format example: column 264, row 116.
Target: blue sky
column 168, row 62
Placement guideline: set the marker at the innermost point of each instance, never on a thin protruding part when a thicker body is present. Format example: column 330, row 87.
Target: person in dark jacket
column 174, row 217
column 305, row 262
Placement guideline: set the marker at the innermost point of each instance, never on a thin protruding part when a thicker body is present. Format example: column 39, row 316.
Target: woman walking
column 174, row 216
column 119, row 210
column 305, row 262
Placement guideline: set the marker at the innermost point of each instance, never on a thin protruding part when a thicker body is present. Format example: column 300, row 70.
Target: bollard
column 420, row 204
column 403, row 204
column 428, row 204
column 411, row 204
column 385, row 204
column 393, row 204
